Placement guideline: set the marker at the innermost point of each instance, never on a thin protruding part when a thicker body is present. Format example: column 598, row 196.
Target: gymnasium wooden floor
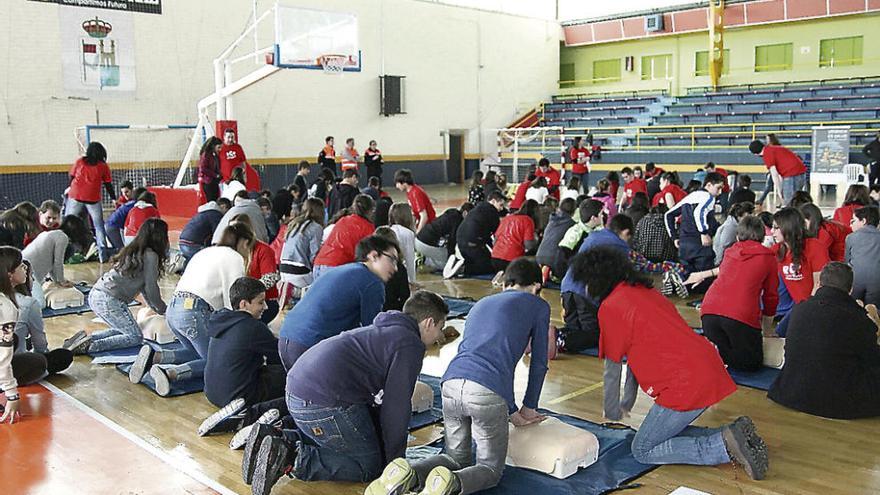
column 90, row 431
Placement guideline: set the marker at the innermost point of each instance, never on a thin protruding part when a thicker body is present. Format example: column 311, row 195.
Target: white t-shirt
column 210, row 274
column 229, row 191
column 539, row 194
column 407, row 240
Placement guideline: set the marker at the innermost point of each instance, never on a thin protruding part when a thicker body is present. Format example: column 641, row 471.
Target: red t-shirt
column 520, row 197
column 137, row 216
column 845, row 213
column 577, row 156
column 719, row 170
column 786, row 162
column 832, row 235
column 263, row 262
column 87, row 181
column 511, row 235
column 632, row 187
column 653, row 173
column 680, row 369
column 231, row 156
column 799, row 279
column 677, row 193
column 340, row 245
column 747, row 276
column 554, row 178
column 419, row 202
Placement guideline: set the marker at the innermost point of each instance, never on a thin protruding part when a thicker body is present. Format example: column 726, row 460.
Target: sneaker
column 397, row 478
column 160, row 376
column 743, row 452
column 272, row 464
column 58, row 360
column 453, row 266
column 79, row 343
column 252, row 447
column 241, row 436
column 666, row 287
column 441, row 481
column 498, row 279
column 142, row 364
column 91, row 252
column 225, row 420
column 680, row 289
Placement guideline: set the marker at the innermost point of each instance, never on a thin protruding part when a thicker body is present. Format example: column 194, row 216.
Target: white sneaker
column 498, row 279
column 224, row 419
column 453, row 266
column 241, row 436
column 160, row 377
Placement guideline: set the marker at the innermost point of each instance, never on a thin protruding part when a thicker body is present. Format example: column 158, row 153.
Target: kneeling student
column 236, row 377
column 478, row 397
column 336, row 390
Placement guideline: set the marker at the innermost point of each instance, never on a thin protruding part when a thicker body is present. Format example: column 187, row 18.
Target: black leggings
column 581, row 330
column 740, row 345
column 211, row 190
column 29, row 367
column 477, row 260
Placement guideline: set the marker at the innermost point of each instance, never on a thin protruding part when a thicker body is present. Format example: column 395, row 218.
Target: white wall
column 465, row 69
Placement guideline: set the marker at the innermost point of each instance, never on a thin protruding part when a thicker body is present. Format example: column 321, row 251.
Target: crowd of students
column 329, row 398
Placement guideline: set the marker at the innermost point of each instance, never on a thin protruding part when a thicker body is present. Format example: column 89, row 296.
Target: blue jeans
column 188, row 251
column 319, row 270
column 96, row 212
column 290, row 351
column 190, row 326
column 114, row 235
column 666, row 437
column 790, row 185
column 585, row 180
column 336, row 443
column 124, row 330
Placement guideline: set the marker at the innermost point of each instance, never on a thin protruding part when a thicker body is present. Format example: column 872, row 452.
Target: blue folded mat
column 458, row 307
column 433, row 415
column 615, row 468
column 78, row 310
column 761, row 379
column 182, row 387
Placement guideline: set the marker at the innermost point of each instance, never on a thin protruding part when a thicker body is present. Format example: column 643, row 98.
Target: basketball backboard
column 304, row 38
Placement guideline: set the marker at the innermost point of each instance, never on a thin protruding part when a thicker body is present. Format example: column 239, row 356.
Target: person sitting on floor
column 549, row 254
column 679, row 369
column 857, row 196
column 731, row 312
column 726, row 234
column 831, row 233
column 242, row 204
column 589, row 217
column 478, row 398
column 650, row 238
column 832, row 360
column 135, row 270
column 474, row 236
column 47, row 252
column 343, row 193
column 397, row 288
column 115, row 223
column 198, row 231
column 145, row 208
column 340, row 245
column 273, row 225
column 862, row 253
column 350, row 398
column 436, row 241
column 346, row 297
column 243, row 367
column 743, row 192
column 301, row 246
column 514, row 237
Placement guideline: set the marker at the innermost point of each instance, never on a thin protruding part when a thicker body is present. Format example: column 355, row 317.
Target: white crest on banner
column 97, row 52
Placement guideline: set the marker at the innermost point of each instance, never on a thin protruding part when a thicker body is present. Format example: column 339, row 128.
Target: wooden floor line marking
column 140, row 442
column 576, row 393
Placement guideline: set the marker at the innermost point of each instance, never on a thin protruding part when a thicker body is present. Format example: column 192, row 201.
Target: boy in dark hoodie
column 243, row 368
column 335, row 392
column 549, row 254
column 197, row 233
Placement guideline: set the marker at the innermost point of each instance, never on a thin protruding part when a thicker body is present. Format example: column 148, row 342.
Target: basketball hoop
column 332, row 64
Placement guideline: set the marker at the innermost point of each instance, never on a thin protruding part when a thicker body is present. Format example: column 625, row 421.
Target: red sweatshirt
column 520, row 197
column 832, row 235
column 747, row 276
column 86, row 181
column 844, row 214
column 263, row 262
column 798, row 279
column 137, row 216
column 511, row 236
column 340, row 245
column 681, row 370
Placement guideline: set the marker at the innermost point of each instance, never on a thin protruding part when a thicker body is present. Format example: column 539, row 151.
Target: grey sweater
column 248, row 207
column 862, row 253
column 302, row 245
column 145, row 282
column 46, row 255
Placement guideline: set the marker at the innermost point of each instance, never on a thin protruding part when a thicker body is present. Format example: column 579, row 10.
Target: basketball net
column 333, row 64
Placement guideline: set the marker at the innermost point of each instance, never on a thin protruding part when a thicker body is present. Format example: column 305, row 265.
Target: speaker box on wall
column 391, row 95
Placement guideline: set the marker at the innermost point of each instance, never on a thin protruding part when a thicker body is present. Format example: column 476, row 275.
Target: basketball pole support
column 225, row 88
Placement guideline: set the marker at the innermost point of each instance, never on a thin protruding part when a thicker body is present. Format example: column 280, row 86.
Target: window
column 840, row 52
column 771, row 58
column 566, row 75
column 656, row 67
column 701, row 63
column 606, row 71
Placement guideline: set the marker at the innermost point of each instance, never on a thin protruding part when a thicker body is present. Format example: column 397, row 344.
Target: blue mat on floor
column 761, row 379
column 182, row 387
column 696, row 303
column 78, row 310
column 550, row 284
column 433, row 415
column 115, row 356
column 615, row 468
column 458, row 307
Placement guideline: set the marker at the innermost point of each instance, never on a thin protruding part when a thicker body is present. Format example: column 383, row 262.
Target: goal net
column 519, row 148
column 147, row 155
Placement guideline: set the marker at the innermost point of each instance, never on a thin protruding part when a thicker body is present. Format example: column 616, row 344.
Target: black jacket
column 238, row 347
column 478, row 226
column 341, row 196
column 397, row 290
column 832, row 360
column 441, row 232
column 548, row 251
column 872, row 150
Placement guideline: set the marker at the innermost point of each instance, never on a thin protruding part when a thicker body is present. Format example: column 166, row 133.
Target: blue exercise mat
column 458, row 307
column 115, row 356
column 77, row 310
column 761, row 379
column 182, row 387
column 433, row 415
column 614, row 470
column 549, row 285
